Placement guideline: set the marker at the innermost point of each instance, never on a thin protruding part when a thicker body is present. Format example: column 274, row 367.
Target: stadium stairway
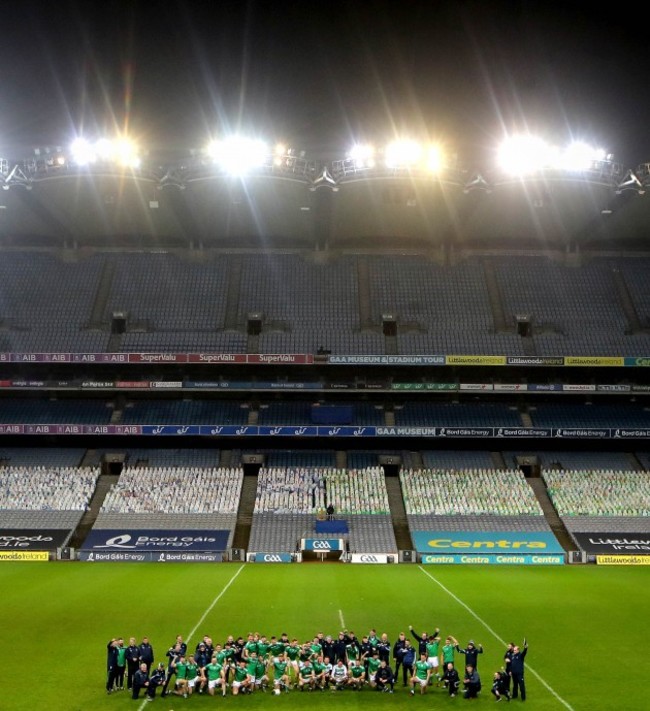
column 102, row 295
column 498, row 461
column 398, row 513
column 104, row 483
column 245, row 512
column 551, row 515
column 626, row 303
column 494, row 296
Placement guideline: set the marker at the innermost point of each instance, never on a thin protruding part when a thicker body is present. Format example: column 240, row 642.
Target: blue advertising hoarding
column 136, row 541
column 272, row 558
column 322, row 545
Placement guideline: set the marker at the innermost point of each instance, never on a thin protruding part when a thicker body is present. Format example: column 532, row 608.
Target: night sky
column 320, row 75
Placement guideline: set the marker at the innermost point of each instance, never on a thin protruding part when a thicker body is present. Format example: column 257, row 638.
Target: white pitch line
column 496, row 636
column 205, row 614
column 342, row 620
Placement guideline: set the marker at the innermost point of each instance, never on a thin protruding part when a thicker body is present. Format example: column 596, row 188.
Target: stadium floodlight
column 363, row 155
column 434, row 159
column 238, row 155
column 580, row 156
column 125, row 153
column 403, row 154
column 122, row 152
column 525, row 154
column 83, row 153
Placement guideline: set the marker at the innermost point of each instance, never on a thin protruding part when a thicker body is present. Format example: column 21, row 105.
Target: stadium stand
column 45, row 497
column 185, row 412
column 606, row 501
column 173, row 498
column 289, row 499
column 470, row 500
column 73, row 411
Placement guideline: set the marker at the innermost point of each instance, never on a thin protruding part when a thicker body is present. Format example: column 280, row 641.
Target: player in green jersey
column 352, row 651
column 276, row 648
column 319, row 672
column 216, row 676
column 281, row 667
column 261, row 676
column 251, row 670
column 433, row 651
column 241, row 681
column 293, row 654
column 250, row 647
column 421, row 674
column 357, row 677
column 180, row 669
column 448, row 650
column 306, row 676
column 263, row 646
column 373, row 665
column 193, row 674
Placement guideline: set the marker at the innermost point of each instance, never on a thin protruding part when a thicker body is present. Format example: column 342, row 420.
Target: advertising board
column 486, row 543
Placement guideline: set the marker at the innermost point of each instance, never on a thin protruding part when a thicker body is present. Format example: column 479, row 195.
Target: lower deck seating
column 281, row 533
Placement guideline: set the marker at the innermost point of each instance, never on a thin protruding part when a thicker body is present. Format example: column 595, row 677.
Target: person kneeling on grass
column 339, row 676
column 384, row 679
column 357, row 676
column 281, row 673
column 421, row 674
column 241, row 681
column 451, row 679
column 472, row 682
column 180, row 669
column 141, row 681
column 306, row 676
column 215, row 675
column 193, row 674
column 500, row 686
column 156, row 679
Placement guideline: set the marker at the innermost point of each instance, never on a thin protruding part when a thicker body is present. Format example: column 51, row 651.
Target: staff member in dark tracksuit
column 132, row 663
column 408, row 660
column 140, row 681
column 111, row 664
column 517, row 671
column 471, row 653
column 146, row 653
column 397, row 653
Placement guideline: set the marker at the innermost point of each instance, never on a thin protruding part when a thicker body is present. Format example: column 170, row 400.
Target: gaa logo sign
column 369, row 559
column 322, row 546
column 272, row 558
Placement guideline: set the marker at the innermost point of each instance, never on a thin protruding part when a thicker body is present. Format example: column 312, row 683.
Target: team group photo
column 417, row 662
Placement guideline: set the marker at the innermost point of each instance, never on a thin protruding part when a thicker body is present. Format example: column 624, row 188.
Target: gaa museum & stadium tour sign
column 488, row 548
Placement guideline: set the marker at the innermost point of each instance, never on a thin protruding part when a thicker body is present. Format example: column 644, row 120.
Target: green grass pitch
column 587, row 627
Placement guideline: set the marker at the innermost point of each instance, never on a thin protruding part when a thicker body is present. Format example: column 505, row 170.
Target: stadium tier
column 46, row 500
column 167, row 302
column 289, row 500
